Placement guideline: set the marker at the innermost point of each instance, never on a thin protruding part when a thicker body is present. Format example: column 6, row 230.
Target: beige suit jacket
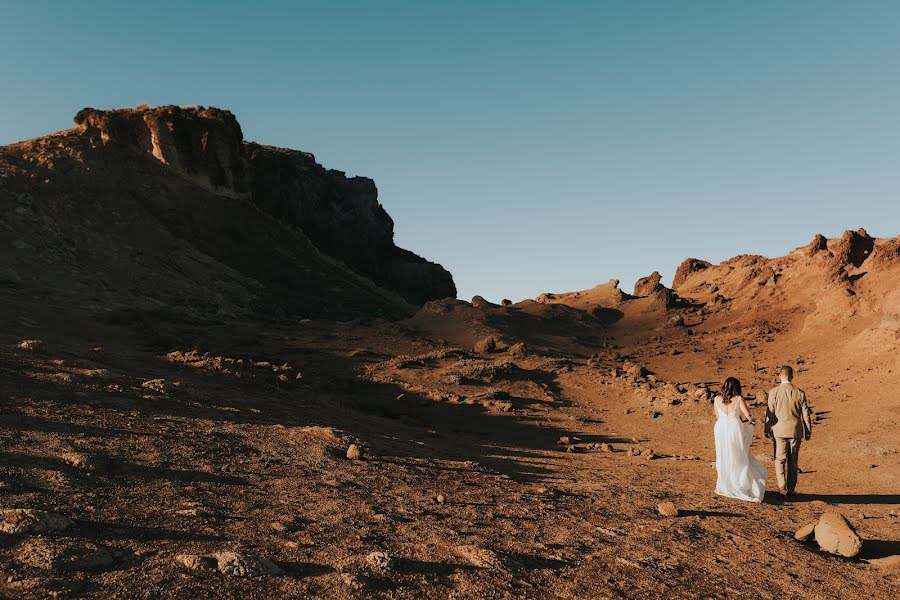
column 788, row 414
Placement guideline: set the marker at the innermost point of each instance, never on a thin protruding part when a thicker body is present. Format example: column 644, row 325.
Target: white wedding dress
column 739, row 474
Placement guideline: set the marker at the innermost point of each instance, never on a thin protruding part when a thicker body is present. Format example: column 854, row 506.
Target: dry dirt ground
column 165, row 444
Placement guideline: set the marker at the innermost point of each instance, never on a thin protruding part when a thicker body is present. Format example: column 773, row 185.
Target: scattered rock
column 64, row 555
column 506, row 302
column 354, row 452
column 805, row 533
column 480, row 557
column 160, row 386
column 485, row 345
column 440, row 498
column 518, row 350
column 87, row 462
column 245, row 565
column 195, row 562
column 677, row 321
column 380, row 562
column 667, row 509
column 836, row 535
column 32, row 345
column 28, row 520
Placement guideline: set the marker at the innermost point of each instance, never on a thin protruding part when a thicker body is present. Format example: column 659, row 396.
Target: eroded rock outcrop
column 204, row 144
column 645, row 286
column 854, row 248
column 686, row 268
column 341, row 215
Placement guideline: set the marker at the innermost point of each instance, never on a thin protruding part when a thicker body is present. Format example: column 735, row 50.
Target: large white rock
column 836, row 535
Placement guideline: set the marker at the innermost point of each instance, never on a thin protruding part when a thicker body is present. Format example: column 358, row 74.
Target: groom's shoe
column 782, row 491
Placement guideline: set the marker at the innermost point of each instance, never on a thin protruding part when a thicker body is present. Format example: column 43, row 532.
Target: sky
column 526, row 146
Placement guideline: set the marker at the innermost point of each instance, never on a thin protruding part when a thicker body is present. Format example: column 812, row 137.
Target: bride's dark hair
column 730, row 389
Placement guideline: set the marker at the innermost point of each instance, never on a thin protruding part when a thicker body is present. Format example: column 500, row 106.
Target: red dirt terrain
column 205, row 395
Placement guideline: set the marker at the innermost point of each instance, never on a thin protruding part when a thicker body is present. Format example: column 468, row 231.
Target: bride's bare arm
column 742, row 406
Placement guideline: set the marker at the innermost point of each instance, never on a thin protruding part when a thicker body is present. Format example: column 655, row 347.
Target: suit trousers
column 787, row 451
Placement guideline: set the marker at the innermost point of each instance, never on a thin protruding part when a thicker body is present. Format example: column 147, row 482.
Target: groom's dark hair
column 787, row 372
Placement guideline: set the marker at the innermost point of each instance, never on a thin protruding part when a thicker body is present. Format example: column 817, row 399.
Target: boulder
column 380, row 562
column 518, row 350
column 667, row 509
column 485, row 345
column 32, row 345
column 354, row 452
column 805, row 533
column 245, row 565
column 836, row 535
column 480, row 302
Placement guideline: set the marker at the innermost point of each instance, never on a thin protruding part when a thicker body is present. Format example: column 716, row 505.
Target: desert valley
column 220, row 378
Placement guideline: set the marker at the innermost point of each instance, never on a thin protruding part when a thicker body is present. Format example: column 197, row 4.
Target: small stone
column 160, row 386
column 28, row 520
column 380, row 562
column 245, row 565
column 677, row 321
column 485, row 345
column 506, row 302
column 353, row 452
column 667, row 509
column 86, row 462
column 32, row 345
column 440, row 498
column 518, row 350
column 836, row 535
column 805, row 533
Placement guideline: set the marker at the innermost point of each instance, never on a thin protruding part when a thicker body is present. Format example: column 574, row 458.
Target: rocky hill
column 170, row 207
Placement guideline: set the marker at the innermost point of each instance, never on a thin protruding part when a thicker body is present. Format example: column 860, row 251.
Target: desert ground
column 190, row 410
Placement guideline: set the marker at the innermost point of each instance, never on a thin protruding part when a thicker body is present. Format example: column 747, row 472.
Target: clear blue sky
column 526, row 146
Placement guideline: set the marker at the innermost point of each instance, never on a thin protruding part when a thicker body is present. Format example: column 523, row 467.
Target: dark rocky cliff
column 340, row 215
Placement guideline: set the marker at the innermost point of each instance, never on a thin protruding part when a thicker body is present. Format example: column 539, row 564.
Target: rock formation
column 340, row 215
column 646, row 286
column 686, row 268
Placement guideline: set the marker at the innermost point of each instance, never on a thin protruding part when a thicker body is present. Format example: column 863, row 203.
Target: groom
column 788, row 421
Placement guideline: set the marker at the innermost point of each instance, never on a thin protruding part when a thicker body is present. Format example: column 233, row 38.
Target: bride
column 739, row 474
